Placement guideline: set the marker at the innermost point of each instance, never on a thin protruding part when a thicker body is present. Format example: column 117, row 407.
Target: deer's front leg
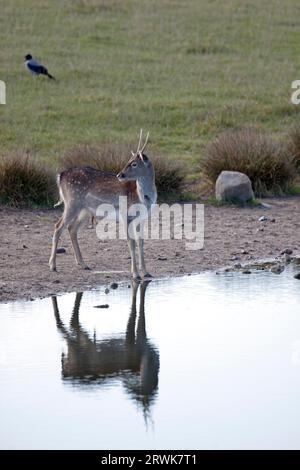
column 142, row 265
column 132, row 246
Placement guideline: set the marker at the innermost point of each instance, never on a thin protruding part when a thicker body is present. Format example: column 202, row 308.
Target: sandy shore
column 232, row 235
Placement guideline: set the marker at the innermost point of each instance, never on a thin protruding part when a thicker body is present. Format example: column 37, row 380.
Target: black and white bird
column 36, row 68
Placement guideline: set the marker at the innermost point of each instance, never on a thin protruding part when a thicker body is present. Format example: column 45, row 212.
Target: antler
column 145, row 144
column 140, row 150
column 140, row 140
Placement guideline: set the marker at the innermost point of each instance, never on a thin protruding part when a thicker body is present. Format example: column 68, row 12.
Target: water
column 201, row 362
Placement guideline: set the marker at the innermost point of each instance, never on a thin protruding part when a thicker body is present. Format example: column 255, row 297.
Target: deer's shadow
column 130, row 357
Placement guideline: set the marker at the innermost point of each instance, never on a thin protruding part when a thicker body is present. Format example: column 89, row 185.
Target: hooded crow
column 35, row 68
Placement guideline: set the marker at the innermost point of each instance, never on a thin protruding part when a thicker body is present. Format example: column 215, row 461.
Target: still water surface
column 199, row 362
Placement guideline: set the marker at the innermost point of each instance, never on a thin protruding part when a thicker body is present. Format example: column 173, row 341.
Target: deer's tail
column 61, row 199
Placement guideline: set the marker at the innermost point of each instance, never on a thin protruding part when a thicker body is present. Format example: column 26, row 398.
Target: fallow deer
column 83, row 189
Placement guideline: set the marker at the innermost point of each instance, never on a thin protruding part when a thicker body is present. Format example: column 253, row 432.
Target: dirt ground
column 232, row 235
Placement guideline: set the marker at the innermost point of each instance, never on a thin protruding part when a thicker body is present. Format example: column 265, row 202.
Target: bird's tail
column 50, row 76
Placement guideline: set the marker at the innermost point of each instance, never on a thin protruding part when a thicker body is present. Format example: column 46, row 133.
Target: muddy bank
column 232, row 235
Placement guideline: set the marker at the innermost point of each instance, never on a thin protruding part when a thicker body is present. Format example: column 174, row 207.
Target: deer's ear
column 144, row 158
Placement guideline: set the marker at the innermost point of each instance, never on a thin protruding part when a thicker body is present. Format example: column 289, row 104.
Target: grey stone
column 277, row 269
column 233, row 186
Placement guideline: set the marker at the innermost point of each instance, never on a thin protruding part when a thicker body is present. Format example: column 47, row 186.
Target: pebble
column 60, row 250
column 287, row 258
column 277, row 269
column 235, row 258
column 101, row 306
column 114, row 285
column 162, row 258
column 246, row 271
column 297, row 276
column 287, row 251
column 106, row 290
column 263, row 218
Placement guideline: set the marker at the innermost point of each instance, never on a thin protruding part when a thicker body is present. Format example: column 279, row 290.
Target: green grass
column 185, row 70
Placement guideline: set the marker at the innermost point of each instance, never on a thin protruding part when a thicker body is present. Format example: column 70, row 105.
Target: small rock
column 260, row 229
column 246, row 271
column 277, row 269
column 287, row 251
column 245, row 252
column 272, row 220
column 287, row 258
column 129, row 286
column 26, row 226
column 265, row 205
column 237, row 266
column 106, row 290
column 162, row 258
column 60, row 251
column 114, row 285
column 101, row 306
column 263, row 218
column 24, row 246
column 56, row 281
column 297, row 276
column 217, row 272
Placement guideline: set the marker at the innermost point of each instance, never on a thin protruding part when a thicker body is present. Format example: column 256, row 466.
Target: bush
column 169, row 174
column 294, row 145
column 267, row 163
column 25, row 182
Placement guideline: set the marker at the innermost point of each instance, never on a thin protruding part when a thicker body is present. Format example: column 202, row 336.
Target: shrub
column 294, row 145
column 169, row 174
column 267, row 163
column 25, row 182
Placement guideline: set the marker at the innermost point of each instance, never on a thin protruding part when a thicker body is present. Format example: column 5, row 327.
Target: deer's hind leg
column 69, row 215
column 73, row 231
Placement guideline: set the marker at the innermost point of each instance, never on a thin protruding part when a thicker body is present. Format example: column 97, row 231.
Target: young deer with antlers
column 82, row 190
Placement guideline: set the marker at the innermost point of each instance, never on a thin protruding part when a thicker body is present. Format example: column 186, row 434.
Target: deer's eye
column 134, row 165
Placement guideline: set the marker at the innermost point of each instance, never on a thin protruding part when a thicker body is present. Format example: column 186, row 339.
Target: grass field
column 185, row 70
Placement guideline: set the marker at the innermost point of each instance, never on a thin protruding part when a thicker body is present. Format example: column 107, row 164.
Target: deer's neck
column 146, row 188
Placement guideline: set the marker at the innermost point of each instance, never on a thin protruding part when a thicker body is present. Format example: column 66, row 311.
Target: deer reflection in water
column 129, row 357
